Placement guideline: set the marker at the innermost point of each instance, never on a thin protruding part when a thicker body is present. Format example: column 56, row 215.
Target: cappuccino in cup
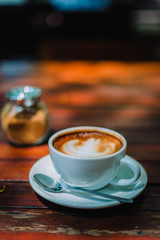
column 88, row 143
column 89, row 157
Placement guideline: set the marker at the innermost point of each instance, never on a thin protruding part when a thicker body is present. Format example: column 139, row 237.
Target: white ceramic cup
column 92, row 173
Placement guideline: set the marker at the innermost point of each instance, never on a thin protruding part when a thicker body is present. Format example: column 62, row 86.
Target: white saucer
column 79, row 200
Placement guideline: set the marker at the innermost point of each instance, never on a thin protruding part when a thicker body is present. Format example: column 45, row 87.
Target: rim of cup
column 90, row 128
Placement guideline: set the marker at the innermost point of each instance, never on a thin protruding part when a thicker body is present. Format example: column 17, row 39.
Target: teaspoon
column 51, row 185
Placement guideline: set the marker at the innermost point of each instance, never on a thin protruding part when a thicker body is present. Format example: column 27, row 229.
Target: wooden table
column 117, row 95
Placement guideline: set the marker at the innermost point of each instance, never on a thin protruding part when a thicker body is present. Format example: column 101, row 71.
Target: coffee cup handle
column 131, row 165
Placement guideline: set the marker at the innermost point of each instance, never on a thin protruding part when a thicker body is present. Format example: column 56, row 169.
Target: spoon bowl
column 48, row 183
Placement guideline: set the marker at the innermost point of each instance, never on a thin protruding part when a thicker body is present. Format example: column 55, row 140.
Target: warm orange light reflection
column 84, row 83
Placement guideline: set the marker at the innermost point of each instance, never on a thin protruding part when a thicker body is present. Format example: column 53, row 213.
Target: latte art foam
column 89, row 148
column 87, row 144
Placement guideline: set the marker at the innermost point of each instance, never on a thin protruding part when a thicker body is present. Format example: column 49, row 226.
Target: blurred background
column 80, row 29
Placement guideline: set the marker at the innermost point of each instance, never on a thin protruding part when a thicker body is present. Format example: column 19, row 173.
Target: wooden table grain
column 123, row 96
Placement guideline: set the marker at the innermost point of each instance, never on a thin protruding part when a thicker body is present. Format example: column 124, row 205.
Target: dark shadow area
column 92, row 30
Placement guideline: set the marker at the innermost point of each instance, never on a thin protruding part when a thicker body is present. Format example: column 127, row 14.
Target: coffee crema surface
column 87, row 144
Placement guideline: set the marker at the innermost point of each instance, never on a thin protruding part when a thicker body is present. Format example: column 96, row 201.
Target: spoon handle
column 104, row 195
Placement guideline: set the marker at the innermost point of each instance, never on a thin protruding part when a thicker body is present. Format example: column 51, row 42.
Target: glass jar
column 25, row 118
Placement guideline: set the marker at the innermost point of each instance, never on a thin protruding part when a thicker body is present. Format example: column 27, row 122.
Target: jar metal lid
column 24, row 93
